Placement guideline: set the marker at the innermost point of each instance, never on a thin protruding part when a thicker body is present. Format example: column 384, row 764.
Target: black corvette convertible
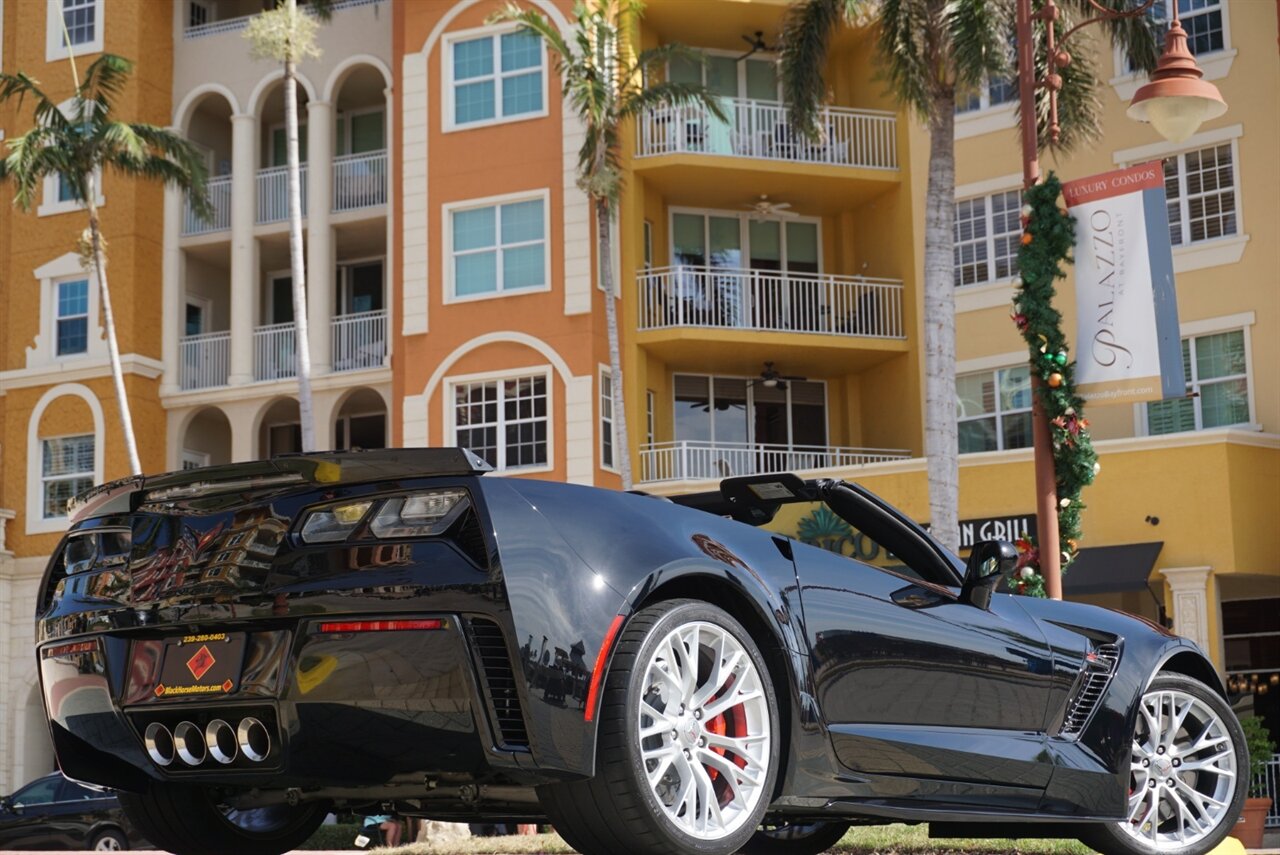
column 240, row 649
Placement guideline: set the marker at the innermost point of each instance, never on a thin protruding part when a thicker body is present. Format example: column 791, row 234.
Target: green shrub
column 1258, row 740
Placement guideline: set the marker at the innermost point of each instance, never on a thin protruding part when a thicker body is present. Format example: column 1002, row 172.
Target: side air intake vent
column 1091, row 685
column 499, row 683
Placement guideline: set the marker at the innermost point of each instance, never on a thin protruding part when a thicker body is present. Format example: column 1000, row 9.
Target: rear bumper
column 347, row 709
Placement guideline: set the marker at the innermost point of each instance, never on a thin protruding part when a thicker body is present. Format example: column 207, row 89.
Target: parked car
column 55, row 813
column 240, row 649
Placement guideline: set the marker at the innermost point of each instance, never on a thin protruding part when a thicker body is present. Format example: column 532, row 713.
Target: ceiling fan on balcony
column 771, row 379
column 757, row 44
column 766, row 210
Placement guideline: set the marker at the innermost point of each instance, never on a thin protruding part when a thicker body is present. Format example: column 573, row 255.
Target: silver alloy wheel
column 107, row 843
column 1183, row 771
column 704, row 730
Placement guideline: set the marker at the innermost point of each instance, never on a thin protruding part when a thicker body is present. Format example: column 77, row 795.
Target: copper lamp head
column 1176, row 101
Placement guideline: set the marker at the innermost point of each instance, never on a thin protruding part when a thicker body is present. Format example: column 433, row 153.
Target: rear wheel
column 110, row 841
column 687, row 749
column 795, row 838
column 1188, row 773
column 191, row 820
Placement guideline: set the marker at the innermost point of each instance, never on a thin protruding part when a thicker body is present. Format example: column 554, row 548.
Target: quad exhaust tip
column 220, row 739
column 253, row 738
column 188, row 739
column 159, row 744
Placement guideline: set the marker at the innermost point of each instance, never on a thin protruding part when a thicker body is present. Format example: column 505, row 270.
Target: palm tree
column 928, row 51
column 287, row 34
column 76, row 145
column 607, row 84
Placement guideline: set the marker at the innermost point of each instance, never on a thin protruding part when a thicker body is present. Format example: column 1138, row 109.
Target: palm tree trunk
column 301, row 338
column 941, row 443
column 109, row 321
column 622, row 447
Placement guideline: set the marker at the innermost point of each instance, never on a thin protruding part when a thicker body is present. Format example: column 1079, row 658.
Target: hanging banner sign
column 1127, row 339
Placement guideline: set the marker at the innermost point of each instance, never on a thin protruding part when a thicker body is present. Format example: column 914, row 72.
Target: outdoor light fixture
column 1176, row 101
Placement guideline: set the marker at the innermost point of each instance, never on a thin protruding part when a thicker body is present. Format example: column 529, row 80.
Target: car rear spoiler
column 317, row 468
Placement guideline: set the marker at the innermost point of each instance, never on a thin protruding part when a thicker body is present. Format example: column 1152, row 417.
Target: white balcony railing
column 274, row 354
column 359, row 340
column 770, row 300
column 220, row 217
column 204, row 360
column 360, row 181
column 759, row 129
column 273, row 193
column 1270, row 781
column 688, row 460
column 235, row 25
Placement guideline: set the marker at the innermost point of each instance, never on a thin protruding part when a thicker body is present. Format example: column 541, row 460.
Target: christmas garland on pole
column 1047, row 239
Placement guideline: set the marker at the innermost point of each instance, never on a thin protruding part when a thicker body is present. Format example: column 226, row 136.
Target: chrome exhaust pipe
column 254, row 739
column 159, row 744
column 220, row 739
column 188, row 739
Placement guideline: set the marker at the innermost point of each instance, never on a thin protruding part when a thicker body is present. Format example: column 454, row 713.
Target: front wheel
column 191, row 820
column 110, row 841
column 1188, row 773
column 796, row 838
column 687, row 748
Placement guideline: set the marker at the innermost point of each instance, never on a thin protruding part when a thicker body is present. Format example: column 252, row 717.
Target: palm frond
column 980, row 33
column 807, row 31
column 322, row 9
column 190, row 173
column 45, row 112
column 538, row 24
column 104, row 79
column 907, row 51
column 1139, row 37
column 668, row 94
column 34, row 156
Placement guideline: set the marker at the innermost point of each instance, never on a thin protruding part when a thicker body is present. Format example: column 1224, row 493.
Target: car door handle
column 916, row 597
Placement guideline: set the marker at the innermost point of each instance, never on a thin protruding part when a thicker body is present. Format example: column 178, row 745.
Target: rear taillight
column 416, row 515
column 383, row 625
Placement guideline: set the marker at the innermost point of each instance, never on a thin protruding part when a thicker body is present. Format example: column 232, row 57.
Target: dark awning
column 1110, row 569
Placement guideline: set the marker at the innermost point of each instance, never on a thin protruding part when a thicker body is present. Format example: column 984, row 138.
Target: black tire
column 617, row 811
column 807, row 838
column 1114, row 839
column 109, row 840
column 188, row 820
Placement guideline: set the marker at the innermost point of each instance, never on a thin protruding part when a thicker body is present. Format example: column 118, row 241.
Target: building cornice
column 78, row 370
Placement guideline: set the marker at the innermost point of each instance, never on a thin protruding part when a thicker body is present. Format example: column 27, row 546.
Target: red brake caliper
column 732, row 721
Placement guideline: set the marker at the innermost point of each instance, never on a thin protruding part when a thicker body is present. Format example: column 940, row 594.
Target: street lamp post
column 1175, row 102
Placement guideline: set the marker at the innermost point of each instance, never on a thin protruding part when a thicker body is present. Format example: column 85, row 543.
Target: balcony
column 235, row 25
column 690, row 460
column 770, row 301
column 273, row 193
column 759, row 129
column 274, row 354
column 204, row 360
column 360, row 181
column 220, row 217
column 359, row 341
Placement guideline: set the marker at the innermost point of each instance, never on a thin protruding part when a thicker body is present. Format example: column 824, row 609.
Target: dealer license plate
column 203, row 665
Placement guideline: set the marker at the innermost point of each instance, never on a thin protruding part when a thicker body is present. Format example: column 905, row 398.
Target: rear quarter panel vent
column 498, row 680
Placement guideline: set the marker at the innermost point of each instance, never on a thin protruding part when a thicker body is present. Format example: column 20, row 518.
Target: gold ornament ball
column 1055, row 380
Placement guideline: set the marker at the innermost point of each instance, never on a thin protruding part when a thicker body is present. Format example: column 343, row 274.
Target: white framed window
column 1204, row 20
column 1216, row 366
column 504, row 419
column 1200, row 189
column 987, row 232
column 194, row 459
column 58, row 196
column 993, row 409
column 494, row 76
column 71, row 317
column 66, row 469
column 608, row 438
column 73, row 26
column 360, row 131
column 992, row 93
column 497, row 246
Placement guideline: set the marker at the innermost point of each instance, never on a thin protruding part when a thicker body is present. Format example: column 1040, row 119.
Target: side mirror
column 989, row 562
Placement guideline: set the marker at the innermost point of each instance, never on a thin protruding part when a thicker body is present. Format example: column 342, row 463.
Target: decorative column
column 1190, row 604
column 172, row 288
column 320, row 258
column 244, row 247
